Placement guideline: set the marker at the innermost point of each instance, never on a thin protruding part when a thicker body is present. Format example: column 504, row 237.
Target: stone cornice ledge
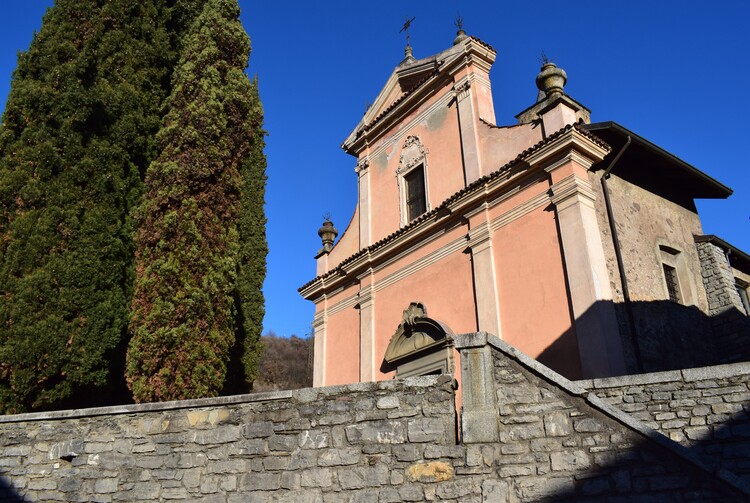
column 572, row 139
column 577, row 389
column 686, row 375
column 570, row 186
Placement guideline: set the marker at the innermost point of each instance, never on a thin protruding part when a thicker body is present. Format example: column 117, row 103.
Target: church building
column 578, row 243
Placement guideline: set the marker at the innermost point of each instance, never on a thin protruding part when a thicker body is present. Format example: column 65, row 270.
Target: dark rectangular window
column 673, row 287
column 416, row 200
column 742, row 290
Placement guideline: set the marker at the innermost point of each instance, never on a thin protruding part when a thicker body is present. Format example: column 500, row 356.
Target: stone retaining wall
column 528, row 434
column 555, row 438
column 707, row 409
column 344, row 443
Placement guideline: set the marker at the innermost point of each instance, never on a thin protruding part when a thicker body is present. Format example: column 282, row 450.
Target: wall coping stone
column 302, row 395
column 576, row 388
column 686, row 375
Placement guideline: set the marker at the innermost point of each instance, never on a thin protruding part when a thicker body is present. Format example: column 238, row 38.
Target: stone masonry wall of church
column 730, row 325
column 381, row 442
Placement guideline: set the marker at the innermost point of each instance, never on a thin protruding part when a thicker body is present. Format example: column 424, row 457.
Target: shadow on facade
column 663, row 335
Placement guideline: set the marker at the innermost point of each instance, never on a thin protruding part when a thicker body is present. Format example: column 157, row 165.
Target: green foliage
column 251, row 261
column 77, row 136
column 189, row 233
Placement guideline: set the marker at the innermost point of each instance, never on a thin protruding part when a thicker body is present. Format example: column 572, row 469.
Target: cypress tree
column 77, row 137
column 249, row 301
column 188, row 240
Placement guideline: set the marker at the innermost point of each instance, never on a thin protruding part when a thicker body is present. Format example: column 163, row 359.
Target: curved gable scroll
column 420, row 345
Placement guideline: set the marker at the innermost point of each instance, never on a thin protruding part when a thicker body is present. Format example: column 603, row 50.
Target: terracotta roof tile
column 481, row 181
column 482, row 42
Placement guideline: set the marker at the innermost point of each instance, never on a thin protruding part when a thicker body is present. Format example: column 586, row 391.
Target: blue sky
column 673, row 72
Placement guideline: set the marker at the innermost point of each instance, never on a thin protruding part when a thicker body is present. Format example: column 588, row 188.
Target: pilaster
column 366, row 303
column 319, row 355
column 363, row 176
column 595, row 322
column 468, row 119
column 485, row 279
column 479, row 409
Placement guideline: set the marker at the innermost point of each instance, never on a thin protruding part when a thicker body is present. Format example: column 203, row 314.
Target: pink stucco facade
column 487, row 254
column 511, row 235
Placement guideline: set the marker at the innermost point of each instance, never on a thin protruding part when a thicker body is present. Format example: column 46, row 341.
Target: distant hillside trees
column 286, row 363
column 200, row 243
column 77, row 136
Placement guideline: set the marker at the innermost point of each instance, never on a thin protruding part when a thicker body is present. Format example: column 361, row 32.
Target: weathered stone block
column 276, row 462
column 572, row 460
column 339, row 457
column 66, row 450
column 383, row 432
column 317, row 477
column 311, row 439
column 260, row 481
column 360, row 477
column 407, row 452
column 587, row 425
column 557, row 424
column 456, row 489
column 426, row 430
column 432, row 471
column 39, row 484
column 106, row 485
column 220, row 435
column 516, row 471
column 387, row 402
column 284, row 443
column 259, row 429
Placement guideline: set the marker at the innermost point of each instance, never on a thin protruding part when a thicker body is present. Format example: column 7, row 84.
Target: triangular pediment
column 403, row 81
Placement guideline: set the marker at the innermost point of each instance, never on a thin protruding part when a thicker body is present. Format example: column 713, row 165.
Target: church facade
column 578, row 243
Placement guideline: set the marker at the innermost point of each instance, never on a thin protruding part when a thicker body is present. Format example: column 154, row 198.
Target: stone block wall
column 557, row 441
column 364, row 442
column 730, row 326
column 718, row 279
column 706, row 409
column 528, row 435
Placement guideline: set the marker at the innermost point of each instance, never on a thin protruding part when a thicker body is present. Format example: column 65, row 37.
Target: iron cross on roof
column 407, row 24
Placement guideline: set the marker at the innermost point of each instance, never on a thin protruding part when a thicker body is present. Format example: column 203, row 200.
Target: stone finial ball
column 551, row 79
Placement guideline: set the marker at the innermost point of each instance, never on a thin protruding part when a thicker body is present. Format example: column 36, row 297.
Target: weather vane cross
column 407, row 24
column 459, row 22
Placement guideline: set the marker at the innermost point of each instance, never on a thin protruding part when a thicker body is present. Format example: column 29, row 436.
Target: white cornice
column 569, row 187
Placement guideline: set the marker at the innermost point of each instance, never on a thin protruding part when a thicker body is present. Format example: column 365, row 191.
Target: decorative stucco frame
column 420, row 346
column 413, row 155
